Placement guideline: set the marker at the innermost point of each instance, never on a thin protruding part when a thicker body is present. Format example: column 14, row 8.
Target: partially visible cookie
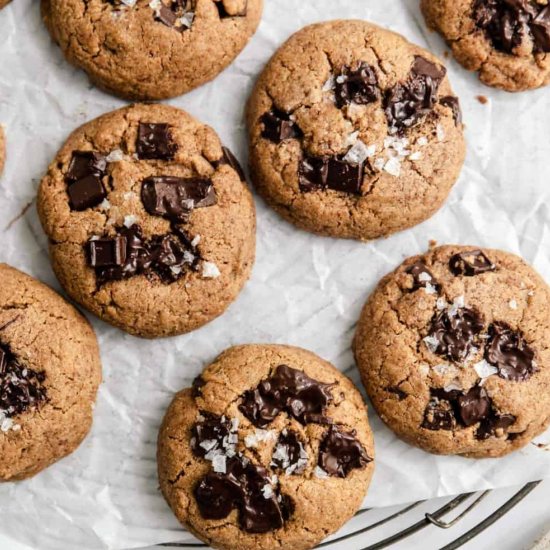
column 354, row 132
column 271, row 448
column 150, row 220
column 151, row 49
column 2, row 149
column 507, row 42
column 454, row 350
column 49, row 374
column 4, row 3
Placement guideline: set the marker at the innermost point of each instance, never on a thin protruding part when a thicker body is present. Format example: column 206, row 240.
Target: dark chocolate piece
column 198, row 384
column 289, row 454
column 246, row 487
column 508, row 22
column 358, row 84
column 107, row 252
column 210, row 434
column 278, row 126
column 494, row 425
column 320, row 173
column 21, row 388
column 508, row 351
column 287, row 390
column 454, row 104
column 174, row 198
column 455, row 332
column 407, row 103
column 86, row 163
column 230, row 159
column 171, row 14
column 439, row 413
column 474, row 406
column 154, row 141
column 470, row 263
column 422, row 276
column 341, row 452
column 85, row 188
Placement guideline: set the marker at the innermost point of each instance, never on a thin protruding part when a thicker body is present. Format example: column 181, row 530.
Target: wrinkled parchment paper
column 305, row 290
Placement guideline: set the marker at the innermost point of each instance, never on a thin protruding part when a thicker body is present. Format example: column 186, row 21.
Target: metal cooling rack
column 441, row 518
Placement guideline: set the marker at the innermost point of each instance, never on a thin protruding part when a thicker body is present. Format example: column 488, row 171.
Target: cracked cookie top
column 506, row 41
column 49, row 374
column 265, row 444
column 354, row 132
column 150, row 221
column 151, row 49
column 453, row 348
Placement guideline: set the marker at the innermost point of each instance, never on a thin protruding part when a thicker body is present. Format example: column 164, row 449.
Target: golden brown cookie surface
column 49, row 374
column 271, row 448
column 506, row 42
column 453, row 348
column 143, row 49
column 354, row 132
column 150, row 221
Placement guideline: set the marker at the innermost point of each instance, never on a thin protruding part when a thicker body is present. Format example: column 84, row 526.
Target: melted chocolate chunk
column 213, row 432
column 154, row 141
column 356, row 85
column 320, row 173
column 288, row 390
column 470, row 263
column 84, row 179
column 198, row 384
column 439, row 414
column 289, row 454
column 231, row 160
column 174, row 198
column 409, row 102
column 454, row 333
column 246, row 487
column 224, row 13
column 178, row 14
column 474, row 406
column 422, row 276
column 341, row 452
column 508, row 351
column 128, row 254
column 21, row 388
column 278, row 126
column 454, row 104
column 508, row 22
column 495, row 425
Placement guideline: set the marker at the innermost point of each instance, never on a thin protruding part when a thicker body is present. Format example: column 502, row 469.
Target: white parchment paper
column 305, row 290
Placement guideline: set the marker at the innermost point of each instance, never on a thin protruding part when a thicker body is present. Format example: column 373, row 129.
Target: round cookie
column 354, row 132
column 49, row 374
column 271, row 448
column 453, row 348
column 150, row 221
column 151, row 49
column 506, row 42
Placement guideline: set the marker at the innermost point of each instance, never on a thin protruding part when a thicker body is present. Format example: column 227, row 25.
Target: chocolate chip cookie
column 49, row 375
column 453, row 348
column 151, row 49
column 271, row 448
column 150, row 221
column 354, row 132
column 507, row 42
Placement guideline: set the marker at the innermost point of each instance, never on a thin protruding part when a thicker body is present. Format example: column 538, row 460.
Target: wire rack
column 440, row 518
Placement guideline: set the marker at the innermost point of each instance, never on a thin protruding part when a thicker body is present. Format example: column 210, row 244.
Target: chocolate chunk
column 422, row 276
column 154, row 141
column 224, row 13
column 178, row 14
column 198, row 384
column 84, row 164
column 165, row 257
column 230, row 159
column 278, row 126
column 474, row 406
column 439, row 415
column 174, row 198
column 86, row 193
column 288, row 390
column 507, row 23
column 495, row 425
column 454, row 332
column 454, row 104
column 320, row 173
column 107, row 252
column 289, row 454
column 21, row 388
column 341, row 452
column 356, row 85
column 246, row 487
column 407, row 103
column 211, row 434
column 508, row 351
column 470, row 263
